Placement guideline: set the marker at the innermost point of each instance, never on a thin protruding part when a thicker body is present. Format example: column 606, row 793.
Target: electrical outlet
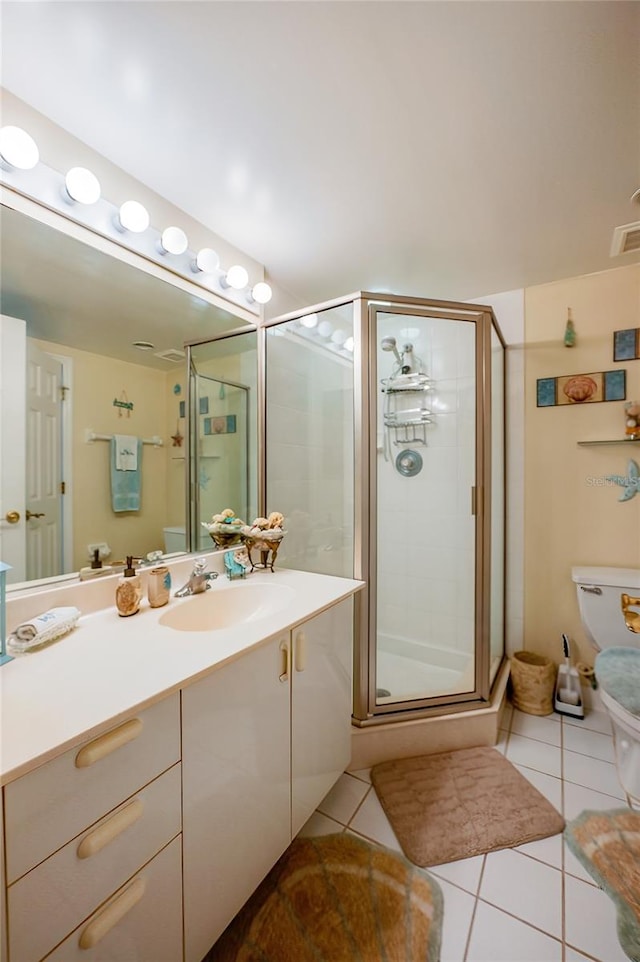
column 102, row 547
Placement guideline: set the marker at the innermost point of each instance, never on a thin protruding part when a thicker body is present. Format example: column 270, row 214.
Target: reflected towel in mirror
column 125, row 484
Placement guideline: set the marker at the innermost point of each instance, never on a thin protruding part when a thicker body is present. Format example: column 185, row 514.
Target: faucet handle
column 199, row 566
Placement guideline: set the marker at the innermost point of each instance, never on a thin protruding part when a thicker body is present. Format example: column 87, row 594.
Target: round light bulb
column 207, row 261
column 173, row 241
column 236, row 277
column 348, row 344
column 325, row 328
column 338, row 337
column 310, row 320
column 18, row 149
column 133, row 216
column 261, row 292
column 82, row 186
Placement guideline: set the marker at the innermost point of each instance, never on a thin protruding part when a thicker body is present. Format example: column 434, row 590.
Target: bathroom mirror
column 83, row 312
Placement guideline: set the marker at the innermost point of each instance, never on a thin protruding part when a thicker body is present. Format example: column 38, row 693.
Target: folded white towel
column 126, row 452
column 45, row 627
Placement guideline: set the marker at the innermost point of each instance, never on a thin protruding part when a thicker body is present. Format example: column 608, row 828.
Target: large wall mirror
column 91, row 343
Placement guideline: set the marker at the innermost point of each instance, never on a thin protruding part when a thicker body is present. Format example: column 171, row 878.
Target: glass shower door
column 424, row 612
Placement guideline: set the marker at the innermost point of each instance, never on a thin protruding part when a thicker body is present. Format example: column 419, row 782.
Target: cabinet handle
column 107, row 743
column 300, row 659
column 116, row 910
column 95, row 841
column 285, row 661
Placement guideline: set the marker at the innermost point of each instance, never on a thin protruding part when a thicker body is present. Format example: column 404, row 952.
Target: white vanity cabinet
column 263, row 740
column 79, row 828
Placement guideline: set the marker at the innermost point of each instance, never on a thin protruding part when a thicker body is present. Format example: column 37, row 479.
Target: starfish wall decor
column 630, row 482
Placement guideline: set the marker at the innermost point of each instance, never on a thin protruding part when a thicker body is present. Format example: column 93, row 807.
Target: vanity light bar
column 76, row 196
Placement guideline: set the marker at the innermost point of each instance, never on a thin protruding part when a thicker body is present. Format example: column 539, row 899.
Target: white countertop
column 55, row 697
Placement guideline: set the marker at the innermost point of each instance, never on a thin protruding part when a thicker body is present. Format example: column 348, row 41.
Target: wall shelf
column 614, row 441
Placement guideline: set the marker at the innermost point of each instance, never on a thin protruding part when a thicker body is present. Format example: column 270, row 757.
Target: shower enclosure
column 381, row 430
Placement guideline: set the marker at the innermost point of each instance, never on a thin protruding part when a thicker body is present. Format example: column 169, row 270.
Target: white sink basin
column 224, row 607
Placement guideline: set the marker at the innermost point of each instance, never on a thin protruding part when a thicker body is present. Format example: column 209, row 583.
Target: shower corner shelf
column 610, row 441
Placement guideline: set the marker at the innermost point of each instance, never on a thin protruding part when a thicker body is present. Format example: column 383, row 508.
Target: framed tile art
column 581, row 388
column 626, row 344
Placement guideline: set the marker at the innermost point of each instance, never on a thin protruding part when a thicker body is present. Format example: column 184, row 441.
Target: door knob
column 12, row 517
column 34, row 514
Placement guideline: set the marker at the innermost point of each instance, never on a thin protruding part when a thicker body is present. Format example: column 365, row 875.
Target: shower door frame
column 367, row 305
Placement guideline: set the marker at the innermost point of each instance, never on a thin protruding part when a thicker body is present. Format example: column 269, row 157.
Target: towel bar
column 90, row 436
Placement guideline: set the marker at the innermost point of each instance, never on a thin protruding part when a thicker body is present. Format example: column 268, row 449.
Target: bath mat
column 458, row 804
column 608, row 845
column 338, row 899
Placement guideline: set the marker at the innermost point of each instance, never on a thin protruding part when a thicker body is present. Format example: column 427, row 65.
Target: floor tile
column 574, row 867
column 547, row 785
column 534, row 754
column 592, row 773
column 593, row 744
column 458, row 912
column 320, row 824
column 596, row 721
column 548, row 850
column 497, row 937
column 371, row 821
column 465, row 872
column 344, row 798
column 590, row 921
column 364, row 774
column 525, row 888
column 544, row 728
column 579, row 799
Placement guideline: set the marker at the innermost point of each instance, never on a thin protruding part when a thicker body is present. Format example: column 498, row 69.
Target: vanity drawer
column 142, row 922
column 57, row 801
column 51, row 900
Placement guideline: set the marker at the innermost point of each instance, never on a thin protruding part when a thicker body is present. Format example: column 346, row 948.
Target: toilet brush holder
column 568, row 694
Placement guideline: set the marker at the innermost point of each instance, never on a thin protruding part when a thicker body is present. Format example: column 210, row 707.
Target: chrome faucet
column 199, row 580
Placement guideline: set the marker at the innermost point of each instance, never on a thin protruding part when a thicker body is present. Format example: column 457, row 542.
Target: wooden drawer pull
column 95, row 841
column 107, row 743
column 102, row 924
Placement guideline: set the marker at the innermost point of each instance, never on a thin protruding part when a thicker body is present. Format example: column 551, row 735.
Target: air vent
column 173, row 354
column 626, row 239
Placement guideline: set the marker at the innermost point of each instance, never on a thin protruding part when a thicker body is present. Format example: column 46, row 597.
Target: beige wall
column 97, row 380
column 569, row 519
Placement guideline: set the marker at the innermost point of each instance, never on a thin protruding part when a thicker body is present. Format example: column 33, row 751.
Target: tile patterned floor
column 534, row 903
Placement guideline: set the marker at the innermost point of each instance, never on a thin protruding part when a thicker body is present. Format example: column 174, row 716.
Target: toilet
column 609, row 603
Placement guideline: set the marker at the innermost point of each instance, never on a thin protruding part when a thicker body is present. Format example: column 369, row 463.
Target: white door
column 13, row 339
column 43, row 463
column 320, row 708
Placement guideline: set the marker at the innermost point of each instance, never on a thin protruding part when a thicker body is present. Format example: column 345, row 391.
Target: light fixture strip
column 46, row 186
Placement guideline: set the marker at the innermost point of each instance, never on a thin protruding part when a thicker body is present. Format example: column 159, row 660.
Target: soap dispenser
column 129, row 591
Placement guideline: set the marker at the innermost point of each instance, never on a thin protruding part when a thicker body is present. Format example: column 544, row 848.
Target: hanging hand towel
column 126, row 452
column 126, row 485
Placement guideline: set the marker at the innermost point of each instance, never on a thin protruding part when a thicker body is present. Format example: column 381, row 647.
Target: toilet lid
column 618, row 671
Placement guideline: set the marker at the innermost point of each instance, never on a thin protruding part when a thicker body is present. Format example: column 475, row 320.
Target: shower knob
column 409, row 463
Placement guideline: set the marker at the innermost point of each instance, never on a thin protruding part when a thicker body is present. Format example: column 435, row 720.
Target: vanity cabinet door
column 236, row 787
column 321, row 693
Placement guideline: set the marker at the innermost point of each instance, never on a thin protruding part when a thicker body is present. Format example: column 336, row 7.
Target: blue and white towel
column 126, row 483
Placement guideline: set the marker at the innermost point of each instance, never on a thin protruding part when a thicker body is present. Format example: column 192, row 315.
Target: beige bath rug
column 337, row 899
column 608, row 845
column 458, row 804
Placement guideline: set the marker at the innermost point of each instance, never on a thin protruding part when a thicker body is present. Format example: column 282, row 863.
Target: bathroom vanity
column 153, row 772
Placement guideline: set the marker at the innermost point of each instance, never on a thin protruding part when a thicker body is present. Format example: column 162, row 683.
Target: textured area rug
column 608, row 845
column 337, row 899
column 458, row 804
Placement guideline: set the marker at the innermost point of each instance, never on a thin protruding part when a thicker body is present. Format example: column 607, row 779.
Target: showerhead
column 389, row 344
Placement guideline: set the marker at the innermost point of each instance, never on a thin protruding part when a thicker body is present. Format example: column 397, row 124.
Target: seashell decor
column 265, row 534
column 580, row 388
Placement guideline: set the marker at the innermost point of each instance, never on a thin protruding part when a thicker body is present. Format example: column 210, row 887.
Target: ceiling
column 443, row 149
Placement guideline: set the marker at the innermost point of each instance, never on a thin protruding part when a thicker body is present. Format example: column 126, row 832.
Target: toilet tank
column 599, row 591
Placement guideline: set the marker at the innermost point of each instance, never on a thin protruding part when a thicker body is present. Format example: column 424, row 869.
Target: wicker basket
column 533, row 682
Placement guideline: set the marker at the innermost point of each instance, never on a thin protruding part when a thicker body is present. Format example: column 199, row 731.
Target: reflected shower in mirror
column 90, row 343
column 223, row 440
